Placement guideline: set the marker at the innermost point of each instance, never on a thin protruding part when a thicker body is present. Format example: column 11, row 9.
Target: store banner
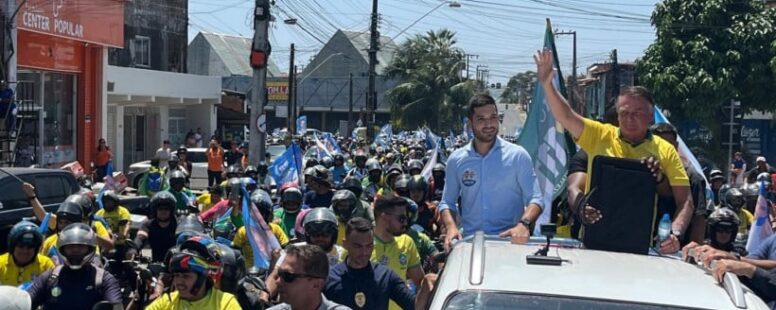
column 99, row 22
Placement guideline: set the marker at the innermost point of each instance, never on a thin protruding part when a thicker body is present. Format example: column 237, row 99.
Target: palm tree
column 432, row 91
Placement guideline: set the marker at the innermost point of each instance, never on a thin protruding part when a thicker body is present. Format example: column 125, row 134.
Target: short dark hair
column 358, row 224
column 313, row 260
column 637, row 92
column 479, row 100
column 385, row 204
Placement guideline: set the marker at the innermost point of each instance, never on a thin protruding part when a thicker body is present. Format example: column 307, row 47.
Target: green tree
column 708, row 52
column 431, row 90
column 519, row 88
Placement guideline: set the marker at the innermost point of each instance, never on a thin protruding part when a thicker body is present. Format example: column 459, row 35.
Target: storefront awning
column 231, row 116
column 140, row 86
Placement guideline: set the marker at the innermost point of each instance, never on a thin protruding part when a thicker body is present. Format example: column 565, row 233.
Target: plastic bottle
column 664, row 228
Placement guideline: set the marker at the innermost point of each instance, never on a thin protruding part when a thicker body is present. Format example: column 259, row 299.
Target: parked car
column 198, row 158
column 490, row 273
column 52, row 187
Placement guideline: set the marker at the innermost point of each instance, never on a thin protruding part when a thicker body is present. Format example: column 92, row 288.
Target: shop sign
column 93, row 21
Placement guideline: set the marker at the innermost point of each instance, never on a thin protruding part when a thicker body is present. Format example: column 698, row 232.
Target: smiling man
column 493, row 178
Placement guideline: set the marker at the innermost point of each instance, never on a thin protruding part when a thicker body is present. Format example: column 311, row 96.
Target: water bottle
column 664, row 228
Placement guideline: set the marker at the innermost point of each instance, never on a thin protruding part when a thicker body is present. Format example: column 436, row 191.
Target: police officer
column 77, row 284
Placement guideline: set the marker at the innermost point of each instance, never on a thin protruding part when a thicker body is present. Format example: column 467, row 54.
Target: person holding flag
column 631, row 139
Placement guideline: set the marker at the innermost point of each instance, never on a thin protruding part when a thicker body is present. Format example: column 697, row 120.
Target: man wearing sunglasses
column 361, row 284
column 301, row 278
column 393, row 248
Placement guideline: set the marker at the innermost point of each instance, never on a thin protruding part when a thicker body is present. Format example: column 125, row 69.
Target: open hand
column 519, row 234
column 544, row 66
column 653, row 164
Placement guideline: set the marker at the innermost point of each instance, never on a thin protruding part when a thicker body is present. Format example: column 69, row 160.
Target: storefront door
column 134, row 135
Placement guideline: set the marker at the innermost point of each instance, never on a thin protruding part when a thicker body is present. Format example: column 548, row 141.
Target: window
column 177, row 126
column 504, row 300
column 141, row 51
column 57, row 188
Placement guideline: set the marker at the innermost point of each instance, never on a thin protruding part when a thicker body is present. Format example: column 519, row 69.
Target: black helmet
column 72, row 209
column 344, row 204
column 400, row 186
column 360, row 155
column 327, row 161
column 716, row 174
column 110, row 195
column 415, row 165
column 735, row 199
column 320, row 221
column 724, row 218
column 76, row 234
column 417, row 183
column 261, row 199
column 173, row 159
column 322, row 175
column 177, row 177
column 291, row 194
column 311, row 162
column 262, row 167
column 234, row 188
column 309, row 172
column 162, row 200
column 25, row 233
column 373, row 164
column 189, row 225
column 251, row 171
column 722, row 193
column 339, row 157
column 352, row 184
column 233, row 171
column 438, row 167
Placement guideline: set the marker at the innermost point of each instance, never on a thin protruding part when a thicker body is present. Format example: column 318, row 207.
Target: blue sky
column 504, row 33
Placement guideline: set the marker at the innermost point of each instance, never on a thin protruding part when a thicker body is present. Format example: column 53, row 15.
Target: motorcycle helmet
column 25, row 233
column 344, row 204
column 76, row 234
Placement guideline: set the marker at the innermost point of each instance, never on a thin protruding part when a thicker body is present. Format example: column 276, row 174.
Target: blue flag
column 260, row 236
column 301, row 124
column 286, row 167
column 546, row 141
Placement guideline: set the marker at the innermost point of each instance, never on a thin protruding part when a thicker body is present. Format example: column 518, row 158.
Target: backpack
column 154, row 179
column 98, row 275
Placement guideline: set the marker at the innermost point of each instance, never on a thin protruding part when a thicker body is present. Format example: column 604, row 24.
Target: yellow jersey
column 604, row 139
column 13, row 275
column 49, row 247
column 399, row 255
column 746, row 221
column 215, row 299
column 115, row 218
column 241, row 241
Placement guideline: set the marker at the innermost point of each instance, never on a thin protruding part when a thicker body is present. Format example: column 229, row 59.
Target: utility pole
column 371, row 103
column 469, row 56
column 294, row 111
column 259, row 59
column 350, row 105
column 291, row 88
column 616, row 73
column 572, row 90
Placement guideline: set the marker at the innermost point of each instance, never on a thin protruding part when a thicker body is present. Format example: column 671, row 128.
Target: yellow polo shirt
column 51, row 242
column 241, row 241
column 399, row 255
column 13, row 275
column 604, row 139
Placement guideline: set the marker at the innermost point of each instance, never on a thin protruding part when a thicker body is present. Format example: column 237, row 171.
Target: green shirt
column 287, row 221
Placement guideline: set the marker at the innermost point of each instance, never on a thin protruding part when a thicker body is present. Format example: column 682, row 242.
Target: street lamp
column 452, row 4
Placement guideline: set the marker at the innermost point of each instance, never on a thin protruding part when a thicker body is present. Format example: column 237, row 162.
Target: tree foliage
column 519, row 88
column 708, row 52
column 431, row 90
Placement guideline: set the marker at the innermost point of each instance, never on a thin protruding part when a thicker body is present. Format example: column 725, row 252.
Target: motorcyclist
column 183, row 196
column 159, row 229
column 265, row 180
column 423, row 243
column 338, row 171
column 71, row 211
column 359, row 171
column 233, row 205
column 77, row 284
column 232, row 171
column 320, row 228
column 716, row 180
column 723, row 226
column 261, row 200
column 210, row 198
column 374, row 181
column 193, row 269
column 23, row 262
column 321, row 188
column 436, row 183
column 735, row 201
column 118, row 218
column 394, row 171
column 427, row 215
column 153, row 180
column 346, row 205
column 414, row 167
column 290, row 205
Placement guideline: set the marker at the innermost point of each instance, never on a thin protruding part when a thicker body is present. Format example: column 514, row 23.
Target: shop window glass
column 59, row 119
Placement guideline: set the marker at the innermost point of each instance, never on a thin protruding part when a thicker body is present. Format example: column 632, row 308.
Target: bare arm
column 416, row 274
column 762, row 263
column 560, row 109
column 685, row 208
column 698, row 232
column 576, row 184
column 37, row 207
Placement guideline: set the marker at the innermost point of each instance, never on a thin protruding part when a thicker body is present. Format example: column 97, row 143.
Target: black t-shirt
column 578, row 162
column 315, row 200
column 232, row 157
column 159, row 238
column 74, row 289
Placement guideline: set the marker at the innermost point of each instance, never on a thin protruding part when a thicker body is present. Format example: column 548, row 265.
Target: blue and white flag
column 286, row 167
column 546, row 141
column 761, row 226
column 469, row 134
column 301, row 124
column 263, row 242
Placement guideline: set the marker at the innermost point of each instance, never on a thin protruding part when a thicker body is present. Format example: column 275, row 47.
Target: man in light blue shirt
column 494, row 179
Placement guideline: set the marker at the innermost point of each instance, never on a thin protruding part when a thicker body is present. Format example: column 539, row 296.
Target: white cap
column 761, row 159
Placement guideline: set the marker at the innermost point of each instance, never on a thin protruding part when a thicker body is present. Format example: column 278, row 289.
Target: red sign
column 94, row 21
column 49, row 53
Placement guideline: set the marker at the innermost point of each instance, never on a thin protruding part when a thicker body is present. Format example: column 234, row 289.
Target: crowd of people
column 368, row 227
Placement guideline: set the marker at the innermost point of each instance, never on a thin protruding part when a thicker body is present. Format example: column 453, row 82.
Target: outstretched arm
column 558, row 106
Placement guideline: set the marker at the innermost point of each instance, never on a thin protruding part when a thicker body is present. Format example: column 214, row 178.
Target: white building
column 146, row 107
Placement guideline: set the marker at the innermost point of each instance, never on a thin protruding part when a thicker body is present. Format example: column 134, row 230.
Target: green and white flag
column 545, row 140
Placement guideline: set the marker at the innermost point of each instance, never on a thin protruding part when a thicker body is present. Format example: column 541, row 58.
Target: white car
column 198, row 158
column 491, row 273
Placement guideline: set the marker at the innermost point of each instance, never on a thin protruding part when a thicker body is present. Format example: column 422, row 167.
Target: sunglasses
column 289, row 277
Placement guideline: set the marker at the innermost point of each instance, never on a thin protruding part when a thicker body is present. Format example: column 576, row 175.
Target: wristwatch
column 525, row 222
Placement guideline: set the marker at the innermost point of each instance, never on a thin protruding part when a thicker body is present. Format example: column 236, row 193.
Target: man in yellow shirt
column 208, row 199
column 393, row 248
column 23, row 263
column 263, row 202
column 118, row 218
column 194, row 289
column 71, row 211
column 632, row 139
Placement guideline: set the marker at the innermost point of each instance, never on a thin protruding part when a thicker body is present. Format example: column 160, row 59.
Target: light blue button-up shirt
column 494, row 189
